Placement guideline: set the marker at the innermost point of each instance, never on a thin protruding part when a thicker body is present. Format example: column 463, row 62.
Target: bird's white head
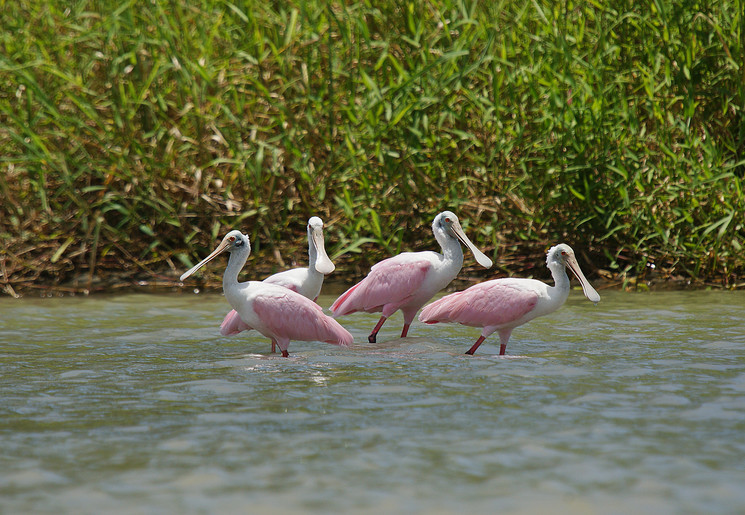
column 563, row 255
column 323, row 263
column 448, row 223
column 233, row 241
column 315, row 222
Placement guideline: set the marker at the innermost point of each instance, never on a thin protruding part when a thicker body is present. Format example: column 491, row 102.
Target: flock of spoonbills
column 282, row 307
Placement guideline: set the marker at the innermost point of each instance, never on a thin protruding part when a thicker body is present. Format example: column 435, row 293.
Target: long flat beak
column 219, row 250
column 480, row 256
column 588, row 290
column 323, row 263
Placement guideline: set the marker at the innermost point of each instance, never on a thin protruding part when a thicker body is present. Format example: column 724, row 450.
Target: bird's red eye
column 563, row 252
column 447, row 220
column 232, row 238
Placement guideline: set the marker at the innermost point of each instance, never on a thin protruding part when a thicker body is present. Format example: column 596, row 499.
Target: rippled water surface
column 136, row 404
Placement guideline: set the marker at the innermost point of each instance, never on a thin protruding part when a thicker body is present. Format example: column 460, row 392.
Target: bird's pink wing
column 233, row 324
column 491, row 303
column 291, row 316
column 390, row 282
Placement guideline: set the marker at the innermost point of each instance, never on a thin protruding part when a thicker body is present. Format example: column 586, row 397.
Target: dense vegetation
column 134, row 134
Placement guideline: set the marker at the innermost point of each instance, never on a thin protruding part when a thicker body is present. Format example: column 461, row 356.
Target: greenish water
column 136, row 404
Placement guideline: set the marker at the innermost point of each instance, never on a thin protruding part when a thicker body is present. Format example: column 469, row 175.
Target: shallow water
column 136, row 404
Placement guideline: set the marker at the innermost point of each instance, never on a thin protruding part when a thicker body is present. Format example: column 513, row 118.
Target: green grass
column 133, row 135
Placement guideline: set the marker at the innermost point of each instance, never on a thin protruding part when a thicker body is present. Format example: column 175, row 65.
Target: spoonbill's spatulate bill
column 274, row 311
column 503, row 304
column 305, row 281
column 407, row 281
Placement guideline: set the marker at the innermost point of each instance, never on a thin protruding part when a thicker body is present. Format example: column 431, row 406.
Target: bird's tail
column 441, row 310
column 233, row 324
column 336, row 334
column 338, row 308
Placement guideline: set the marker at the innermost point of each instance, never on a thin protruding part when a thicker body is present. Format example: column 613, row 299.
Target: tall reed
column 132, row 135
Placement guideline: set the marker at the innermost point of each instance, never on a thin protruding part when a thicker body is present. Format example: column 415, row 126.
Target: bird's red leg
column 374, row 333
column 476, row 345
column 405, row 331
column 504, row 337
column 285, row 354
column 274, row 346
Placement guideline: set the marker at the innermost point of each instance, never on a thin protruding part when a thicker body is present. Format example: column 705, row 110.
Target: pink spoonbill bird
column 276, row 312
column 407, row 281
column 503, row 304
column 305, row 281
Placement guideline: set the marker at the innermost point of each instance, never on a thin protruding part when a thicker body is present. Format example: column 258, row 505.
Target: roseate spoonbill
column 305, row 281
column 274, row 311
column 503, row 304
column 407, row 281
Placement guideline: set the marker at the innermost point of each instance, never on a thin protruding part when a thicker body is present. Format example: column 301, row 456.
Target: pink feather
column 489, row 304
column 389, row 285
column 233, row 324
column 301, row 319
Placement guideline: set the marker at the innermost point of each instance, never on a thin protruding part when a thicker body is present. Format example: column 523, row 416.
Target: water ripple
column 135, row 403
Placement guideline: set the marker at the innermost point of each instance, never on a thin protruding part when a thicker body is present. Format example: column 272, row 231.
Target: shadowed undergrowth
column 133, row 136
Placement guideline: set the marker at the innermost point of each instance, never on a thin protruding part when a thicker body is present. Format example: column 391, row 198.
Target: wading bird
column 305, row 281
column 274, row 311
column 407, row 281
column 503, row 304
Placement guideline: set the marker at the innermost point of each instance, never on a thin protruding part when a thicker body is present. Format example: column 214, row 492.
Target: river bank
column 116, row 282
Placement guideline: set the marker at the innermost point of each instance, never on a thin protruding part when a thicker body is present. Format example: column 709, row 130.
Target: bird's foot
column 285, row 354
column 374, row 334
column 405, row 331
column 475, row 346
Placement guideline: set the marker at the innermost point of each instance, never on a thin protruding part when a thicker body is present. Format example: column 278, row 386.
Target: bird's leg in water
column 405, row 330
column 285, row 354
column 504, row 337
column 374, row 333
column 476, row 345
